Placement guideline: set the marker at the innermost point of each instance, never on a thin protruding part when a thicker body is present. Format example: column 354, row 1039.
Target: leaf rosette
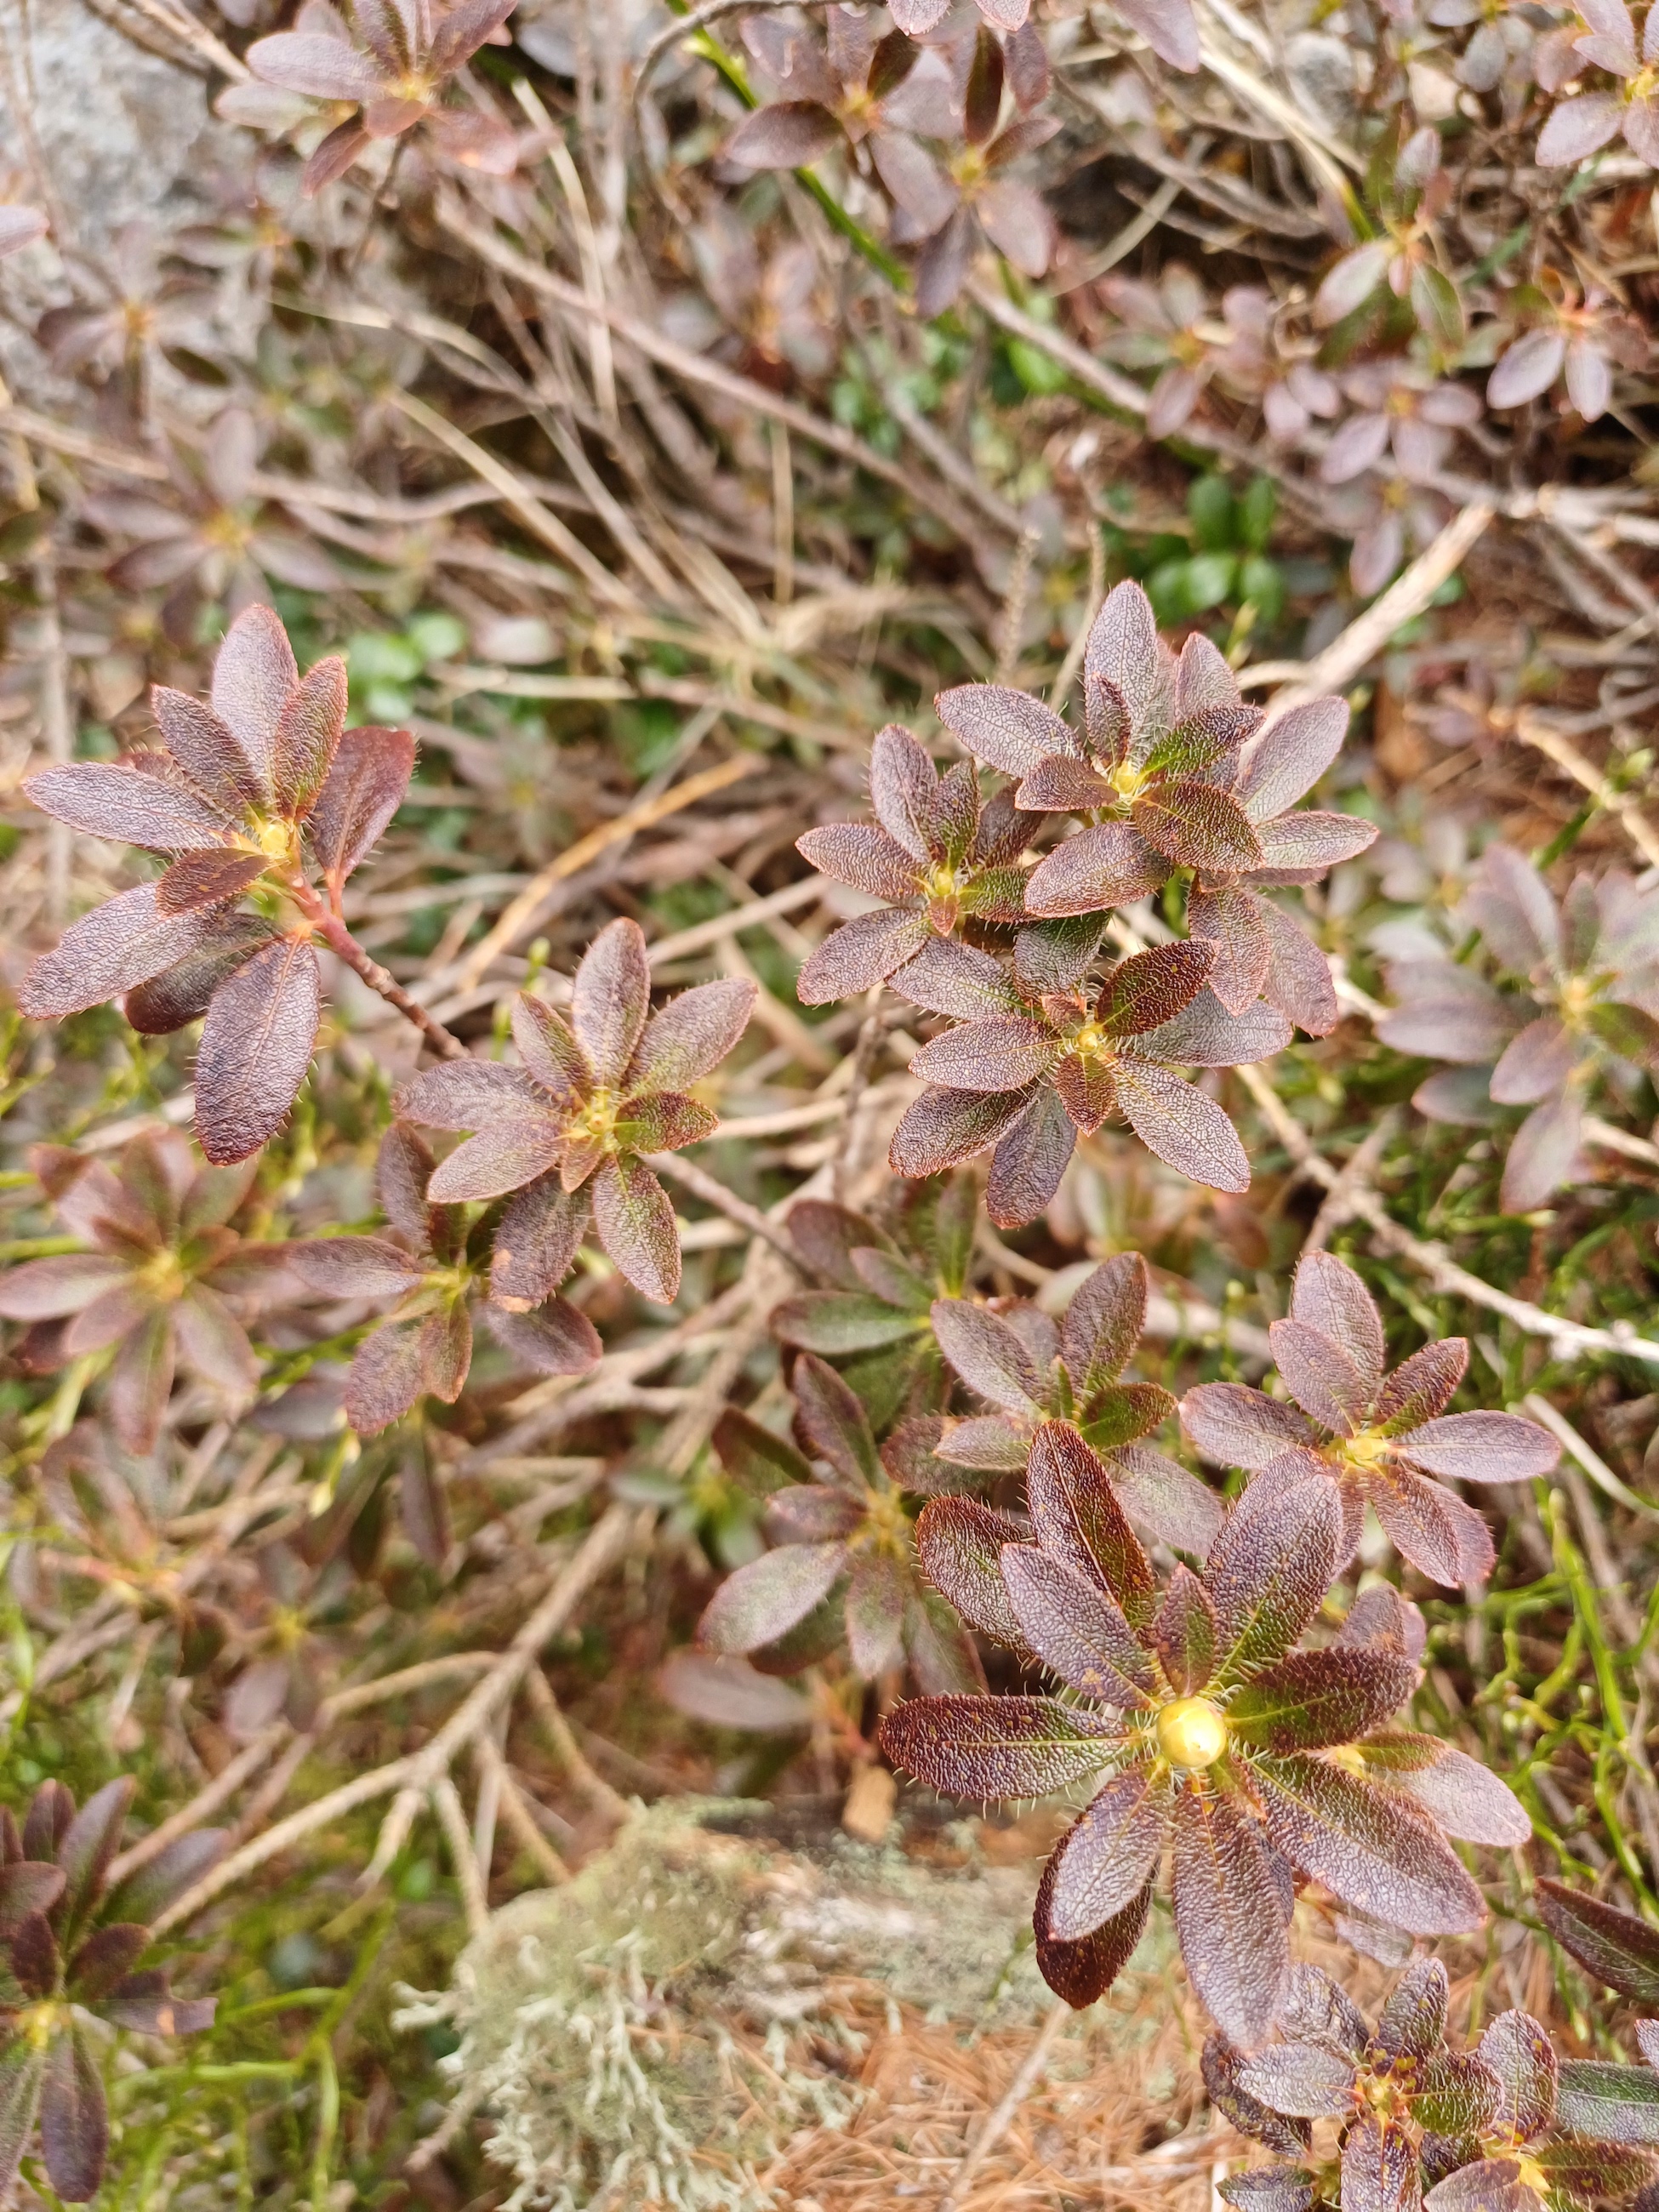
column 424, row 1347
column 1023, row 1074
column 563, row 1132
column 159, row 1286
column 843, row 1569
column 70, row 1950
column 1201, row 1729
column 252, row 794
column 1031, row 1370
column 1478, row 2131
column 1173, row 770
column 1576, row 1003
column 1382, row 1437
column 933, row 854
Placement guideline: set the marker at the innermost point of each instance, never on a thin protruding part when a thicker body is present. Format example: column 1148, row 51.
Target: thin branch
column 516, row 1812
column 1000, row 2120
column 1406, row 599
column 475, row 1902
column 417, row 1773
column 1567, row 1340
column 575, row 1761
column 1533, row 730
column 697, row 369
column 703, row 1185
column 340, row 940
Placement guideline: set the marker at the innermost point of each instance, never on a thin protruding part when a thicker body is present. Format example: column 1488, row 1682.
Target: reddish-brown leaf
column 1076, row 1628
column 636, row 1225
column 517, row 1150
column 1079, row 1518
column 1000, row 1747
column 989, row 1354
column 1109, row 1854
column 860, row 954
column 1007, row 729
column 1004, row 1053
column 1368, row 1848
column 321, row 67
column 610, row 999
column 1311, row 1699
column 307, row 731
column 1422, row 1386
column 1321, row 1377
column 876, row 1591
column 536, row 1241
column 1379, row 2168
column 256, row 1048
column 386, row 1378
column 1232, row 1425
column 1108, row 864
column 1151, row 987
column 252, row 677
column 202, row 879
column 1230, row 1910
column 763, row 1600
column 1481, row 1448
column 1181, row 1126
column 690, row 1035
column 1616, row 1947
column 790, row 134
column 959, row 1542
column 1329, row 1296
column 469, row 1094
column 353, row 1266
column 1030, row 1158
column 1082, row 1971
column 364, row 789
column 112, row 799
column 943, row 1128
column 1184, row 1633
column 117, row 946
column 205, row 749
column 184, row 992
column 831, row 1424
column 74, row 2119
column 1269, row 1569
column 1465, row 1798
column 1520, row 2053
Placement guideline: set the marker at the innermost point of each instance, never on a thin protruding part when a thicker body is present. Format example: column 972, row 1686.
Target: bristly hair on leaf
column 1208, row 1734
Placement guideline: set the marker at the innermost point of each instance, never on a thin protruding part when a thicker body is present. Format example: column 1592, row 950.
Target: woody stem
column 339, row 939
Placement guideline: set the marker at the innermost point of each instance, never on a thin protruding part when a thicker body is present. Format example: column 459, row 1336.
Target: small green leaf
column 1256, row 510
column 1210, row 578
column 1211, row 507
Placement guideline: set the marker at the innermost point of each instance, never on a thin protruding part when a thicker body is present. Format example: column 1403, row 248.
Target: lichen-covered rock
column 657, row 2030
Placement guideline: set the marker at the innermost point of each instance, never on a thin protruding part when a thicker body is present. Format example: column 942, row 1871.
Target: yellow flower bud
column 1191, row 1733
